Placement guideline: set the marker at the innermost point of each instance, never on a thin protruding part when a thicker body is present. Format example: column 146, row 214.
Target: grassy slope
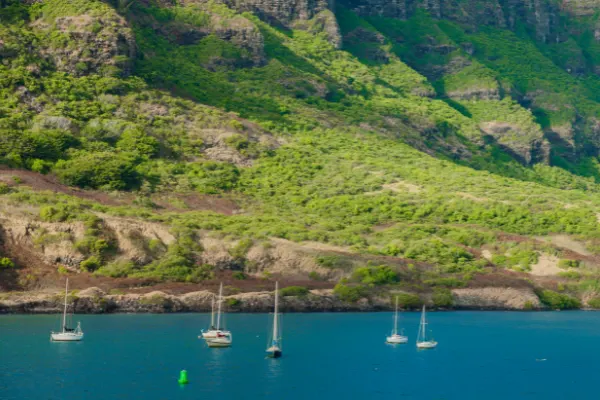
column 342, row 177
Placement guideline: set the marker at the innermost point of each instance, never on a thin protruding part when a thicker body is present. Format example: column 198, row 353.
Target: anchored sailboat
column 422, row 341
column 395, row 338
column 222, row 338
column 67, row 334
column 274, row 351
column 212, row 330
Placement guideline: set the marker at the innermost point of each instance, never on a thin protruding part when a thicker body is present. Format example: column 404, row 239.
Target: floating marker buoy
column 183, row 377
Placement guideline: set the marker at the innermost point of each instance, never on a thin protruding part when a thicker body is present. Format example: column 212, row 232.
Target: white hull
column 66, row 337
column 426, row 345
column 396, row 339
column 219, row 342
column 213, row 334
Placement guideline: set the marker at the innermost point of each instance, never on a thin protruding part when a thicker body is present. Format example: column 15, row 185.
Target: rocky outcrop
column 495, row 298
column 95, row 301
column 85, row 44
column 281, row 12
column 542, row 15
column 526, row 147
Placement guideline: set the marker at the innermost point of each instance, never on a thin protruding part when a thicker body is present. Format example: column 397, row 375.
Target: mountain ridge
column 433, row 150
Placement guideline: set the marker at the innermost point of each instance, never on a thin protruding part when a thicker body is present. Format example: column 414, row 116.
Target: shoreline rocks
column 95, row 301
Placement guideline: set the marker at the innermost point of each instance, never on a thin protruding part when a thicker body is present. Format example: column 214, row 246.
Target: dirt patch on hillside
column 566, row 242
column 546, row 265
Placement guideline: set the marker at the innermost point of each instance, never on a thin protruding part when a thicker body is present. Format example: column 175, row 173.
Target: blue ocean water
column 481, row 355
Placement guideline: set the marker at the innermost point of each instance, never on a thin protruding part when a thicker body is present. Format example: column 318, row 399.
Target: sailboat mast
column 64, row 324
column 219, row 301
column 396, row 318
column 275, row 319
column 212, row 313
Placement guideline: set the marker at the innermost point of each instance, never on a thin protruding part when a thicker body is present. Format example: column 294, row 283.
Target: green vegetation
column 6, row 263
column 421, row 139
column 377, row 275
column 442, row 298
column 594, row 302
column 350, row 294
column 294, row 291
column 407, row 300
column 558, row 301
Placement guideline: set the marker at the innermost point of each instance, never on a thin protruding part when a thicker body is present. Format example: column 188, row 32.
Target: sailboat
column 274, row 351
column 394, row 338
column 212, row 330
column 67, row 334
column 422, row 341
column 222, row 338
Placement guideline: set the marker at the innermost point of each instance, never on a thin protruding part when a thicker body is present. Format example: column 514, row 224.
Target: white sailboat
column 212, row 330
column 395, row 338
column 422, row 341
column 67, row 334
column 274, row 351
column 222, row 338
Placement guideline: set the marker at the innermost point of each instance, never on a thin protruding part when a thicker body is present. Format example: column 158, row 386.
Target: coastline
column 95, row 301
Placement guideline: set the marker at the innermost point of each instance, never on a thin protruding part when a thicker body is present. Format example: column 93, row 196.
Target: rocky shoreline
column 95, row 301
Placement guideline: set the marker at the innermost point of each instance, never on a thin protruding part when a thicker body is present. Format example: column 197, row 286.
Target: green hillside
column 425, row 141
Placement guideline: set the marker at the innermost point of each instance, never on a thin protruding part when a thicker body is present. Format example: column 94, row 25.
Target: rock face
column 85, row 44
column 282, row 12
column 95, row 301
column 494, row 298
column 542, row 15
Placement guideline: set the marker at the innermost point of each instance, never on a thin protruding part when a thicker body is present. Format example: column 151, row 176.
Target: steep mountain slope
column 380, row 146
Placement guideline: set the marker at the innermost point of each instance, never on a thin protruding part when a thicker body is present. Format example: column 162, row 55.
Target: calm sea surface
column 481, row 355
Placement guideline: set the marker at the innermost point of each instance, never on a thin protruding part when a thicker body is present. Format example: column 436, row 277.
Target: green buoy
column 183, row 377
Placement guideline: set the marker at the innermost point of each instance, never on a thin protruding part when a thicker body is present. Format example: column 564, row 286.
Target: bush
column 117, row 269
column 233, row 302
column 594, row 302
column 294, row 291
column 350, row 294
column 241, row 248
column 239, row 275
column 407, row 300
column 565, row 263
column 569, row 274
column 442, row 298
column 91, row 264
column 6, row 263
column 314, row 275
column 558, row 301
column 379, row 275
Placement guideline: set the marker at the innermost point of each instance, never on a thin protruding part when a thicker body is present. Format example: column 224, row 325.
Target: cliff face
column 282, row 12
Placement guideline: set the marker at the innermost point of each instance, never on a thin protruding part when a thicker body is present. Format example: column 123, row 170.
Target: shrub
column 239, row 275
column 528, row 305
column 62, row 270
column 117, row 269
column 233, row 302
column 594, row 302
column 6, row 263
column 294, row 291
column 442, row 297
column 328, row 261
column 569, row 274
column 379, row 275
column 314, row 275
column 407, row 300
column 558, row 301
column 241, row 248
column 91, row 264
column 350, row 294
column 565, row 263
